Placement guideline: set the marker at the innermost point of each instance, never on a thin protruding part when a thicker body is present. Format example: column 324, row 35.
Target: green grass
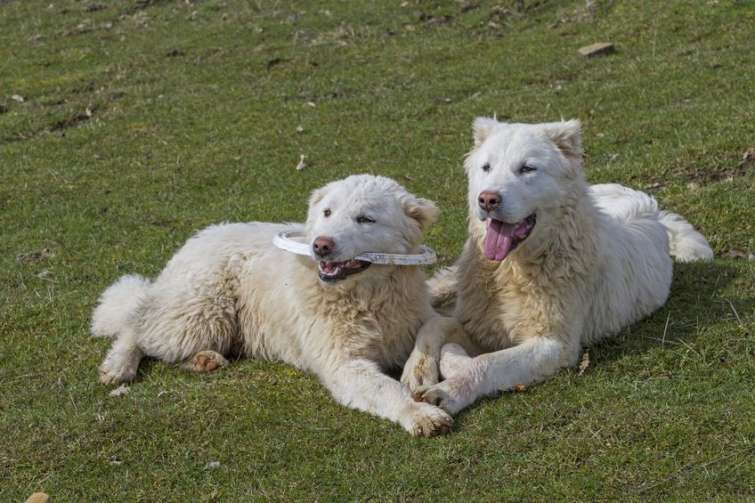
column 194, row 114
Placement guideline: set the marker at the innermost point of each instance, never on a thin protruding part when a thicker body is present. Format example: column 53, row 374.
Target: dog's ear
column 422, row 210
column 481, row 129
column 317, row 195
column 567, row 135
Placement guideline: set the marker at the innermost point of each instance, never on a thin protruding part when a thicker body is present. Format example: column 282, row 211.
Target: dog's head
column 364, row 213
column 518, row 174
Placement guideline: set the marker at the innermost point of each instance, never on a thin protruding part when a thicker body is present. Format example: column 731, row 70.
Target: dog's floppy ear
column 317, row 195
column 481, row 129
column 422, row 210
column 567, row 135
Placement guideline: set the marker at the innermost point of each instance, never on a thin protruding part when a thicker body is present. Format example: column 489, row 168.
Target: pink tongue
column 498, row 239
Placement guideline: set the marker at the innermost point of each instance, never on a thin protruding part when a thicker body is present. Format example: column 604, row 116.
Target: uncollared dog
column 228, row 292
column 551, row 264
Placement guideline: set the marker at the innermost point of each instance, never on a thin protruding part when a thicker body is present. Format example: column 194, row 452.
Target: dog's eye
column 527, row 169
column 363, row 219
column 486, row 167
column 326, row 213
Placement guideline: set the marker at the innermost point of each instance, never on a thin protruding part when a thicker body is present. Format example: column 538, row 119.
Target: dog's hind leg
column 122, row 361
column 205, row 361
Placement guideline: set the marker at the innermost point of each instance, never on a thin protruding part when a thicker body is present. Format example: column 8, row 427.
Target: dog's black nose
column 323, row 246
column 489, row 200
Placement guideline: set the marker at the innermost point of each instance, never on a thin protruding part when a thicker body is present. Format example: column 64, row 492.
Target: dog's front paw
column 451, row 395
column 454, row 361
column 425, row 420
column 420, row 370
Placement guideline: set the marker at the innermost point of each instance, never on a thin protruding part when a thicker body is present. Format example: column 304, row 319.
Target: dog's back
column 634, row 265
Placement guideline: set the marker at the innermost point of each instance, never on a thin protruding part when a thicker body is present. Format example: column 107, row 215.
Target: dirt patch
column 146, row 4
column 702, row 175
column 75, row 119
column 696, row 176
column 431, row 20
column 35, row 256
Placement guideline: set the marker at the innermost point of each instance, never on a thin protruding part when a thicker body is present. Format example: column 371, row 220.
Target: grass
column 143, row 121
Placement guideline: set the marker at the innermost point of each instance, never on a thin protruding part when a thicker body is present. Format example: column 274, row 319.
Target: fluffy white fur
column 230, row 293
column 596, row 260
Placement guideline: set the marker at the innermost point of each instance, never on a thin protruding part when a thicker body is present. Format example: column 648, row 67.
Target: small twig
column 659, row 340
column 665, row 329
column 75, row 407
column 689, row 347
column 739, row 320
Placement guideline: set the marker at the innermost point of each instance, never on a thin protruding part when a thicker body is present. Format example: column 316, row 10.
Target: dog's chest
column 381, row 326
column 501, row 310
column 381, row 335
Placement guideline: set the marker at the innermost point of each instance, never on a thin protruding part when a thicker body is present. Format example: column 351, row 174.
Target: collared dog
column 551, row 264
column 230, row 292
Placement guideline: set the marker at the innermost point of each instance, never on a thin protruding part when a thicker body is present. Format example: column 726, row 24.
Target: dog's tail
column 686, row 244
column 443, row 286
column 118, row 304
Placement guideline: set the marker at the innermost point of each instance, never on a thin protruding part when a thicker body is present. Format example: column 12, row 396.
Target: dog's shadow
column 697, row 301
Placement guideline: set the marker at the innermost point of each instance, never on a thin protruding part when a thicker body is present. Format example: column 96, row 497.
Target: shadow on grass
column 696, row 302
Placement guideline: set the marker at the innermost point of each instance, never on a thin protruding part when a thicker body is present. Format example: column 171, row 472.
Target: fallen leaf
column 44, row 274
column 584, row 363
column 18, row 98
column 302, row 164
column 212, row 465
column 120, row 390
column 520, row 388
column 598, row 49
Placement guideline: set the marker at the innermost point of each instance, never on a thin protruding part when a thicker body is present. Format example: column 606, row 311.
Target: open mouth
column 501, row 238
column 333, row 271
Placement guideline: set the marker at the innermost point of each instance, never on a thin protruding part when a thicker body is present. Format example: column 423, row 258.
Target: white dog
column 230, row 292
column 550, row 265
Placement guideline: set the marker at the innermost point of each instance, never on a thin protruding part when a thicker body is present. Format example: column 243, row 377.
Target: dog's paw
column 451, row 395
column 206, row 361
column 425, row 420
column 454, row 361
column 420, row 370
